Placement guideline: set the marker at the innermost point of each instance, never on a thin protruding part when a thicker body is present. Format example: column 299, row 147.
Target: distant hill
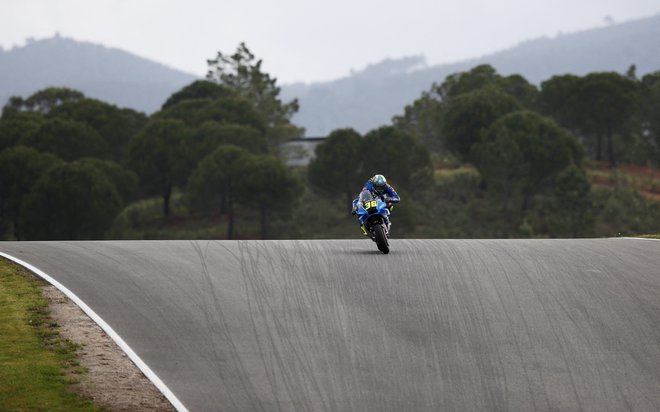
column 371, row 97
column 364, row 100
column 105, row 73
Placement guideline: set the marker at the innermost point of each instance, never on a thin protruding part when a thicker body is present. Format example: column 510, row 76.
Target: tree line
column 70, row 164
column 479, row 155
column 510, row 158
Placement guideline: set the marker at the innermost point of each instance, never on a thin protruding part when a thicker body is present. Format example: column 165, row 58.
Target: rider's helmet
column 380, row 184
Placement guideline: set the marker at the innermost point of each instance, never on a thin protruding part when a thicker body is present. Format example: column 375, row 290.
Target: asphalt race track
column 452, row 325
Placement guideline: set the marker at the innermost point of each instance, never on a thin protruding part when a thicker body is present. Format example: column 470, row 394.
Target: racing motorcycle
column 373, row 213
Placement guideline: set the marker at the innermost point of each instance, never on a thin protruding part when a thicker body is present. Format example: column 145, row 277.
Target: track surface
column 335, row 326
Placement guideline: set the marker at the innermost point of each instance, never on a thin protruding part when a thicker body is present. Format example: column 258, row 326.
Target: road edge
column 107, row 329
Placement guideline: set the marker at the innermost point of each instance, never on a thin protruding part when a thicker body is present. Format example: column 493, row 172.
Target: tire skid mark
column 296, row 293
column 556, row 334
column 437, row 320
column 306, row 299
column 266, row 309
column 209, row 319
column 532, row 387
column 528, row 328
column 470, row 315
column 578, row 299
column 650, row 363
column 235, row 356
column 582, row 328
column 478, row 255
column 277, row 365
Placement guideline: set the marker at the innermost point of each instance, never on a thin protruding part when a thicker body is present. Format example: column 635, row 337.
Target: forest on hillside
column 478, row 155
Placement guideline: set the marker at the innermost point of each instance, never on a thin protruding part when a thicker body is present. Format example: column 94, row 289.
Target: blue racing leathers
column 389, row 194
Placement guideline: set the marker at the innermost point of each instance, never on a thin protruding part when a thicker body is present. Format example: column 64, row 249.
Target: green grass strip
column 36, row 364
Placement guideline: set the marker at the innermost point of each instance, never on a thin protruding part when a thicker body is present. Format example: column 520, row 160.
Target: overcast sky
column 308, row 40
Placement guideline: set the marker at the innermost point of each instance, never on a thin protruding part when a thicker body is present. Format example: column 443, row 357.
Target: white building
column 299, row 152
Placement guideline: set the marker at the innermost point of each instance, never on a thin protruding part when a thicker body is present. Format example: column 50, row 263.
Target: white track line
column 640, row 238
column 96, row 318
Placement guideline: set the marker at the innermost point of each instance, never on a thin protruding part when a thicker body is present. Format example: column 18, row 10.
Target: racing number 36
column 370, row 204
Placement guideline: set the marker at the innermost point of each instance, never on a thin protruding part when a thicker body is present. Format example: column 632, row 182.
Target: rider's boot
column 364, row 231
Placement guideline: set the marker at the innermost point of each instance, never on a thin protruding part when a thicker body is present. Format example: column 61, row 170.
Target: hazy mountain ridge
column 371, row 97
column 363, row 100
column 108, row 74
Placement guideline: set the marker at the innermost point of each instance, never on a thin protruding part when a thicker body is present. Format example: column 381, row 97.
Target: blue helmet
column 379, row 182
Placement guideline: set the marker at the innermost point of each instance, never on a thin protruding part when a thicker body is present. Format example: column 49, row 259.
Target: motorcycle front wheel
column 381, row 239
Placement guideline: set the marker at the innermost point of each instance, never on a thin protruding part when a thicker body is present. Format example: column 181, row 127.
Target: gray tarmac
column 451, row 325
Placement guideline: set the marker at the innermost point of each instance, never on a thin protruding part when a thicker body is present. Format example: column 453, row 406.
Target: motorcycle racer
column 378, row 187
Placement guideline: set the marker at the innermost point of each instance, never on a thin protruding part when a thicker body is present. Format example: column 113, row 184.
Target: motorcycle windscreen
column 369, row 202
column 365, row 196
